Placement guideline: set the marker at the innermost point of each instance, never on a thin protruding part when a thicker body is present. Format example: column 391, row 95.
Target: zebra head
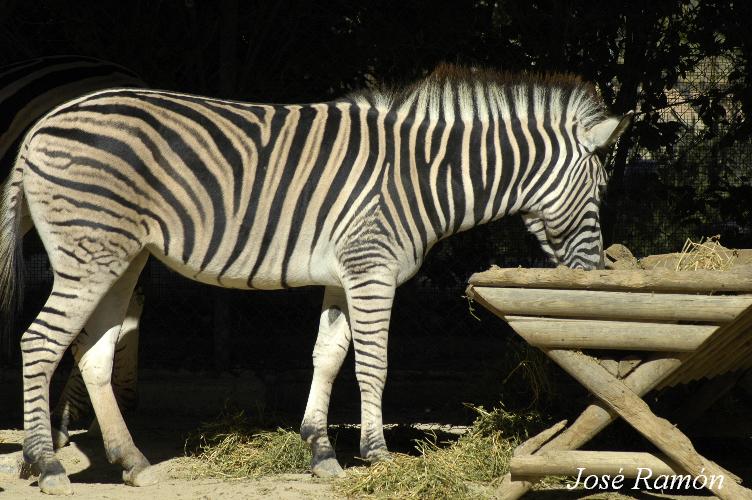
column 567, row 222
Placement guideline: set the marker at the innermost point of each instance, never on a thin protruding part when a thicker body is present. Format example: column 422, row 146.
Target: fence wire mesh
column 697, row 183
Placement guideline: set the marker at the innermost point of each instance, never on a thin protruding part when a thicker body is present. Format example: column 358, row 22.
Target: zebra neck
column 460, row 174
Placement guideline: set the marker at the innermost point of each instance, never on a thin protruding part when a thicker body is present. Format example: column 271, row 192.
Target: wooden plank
column 597, row 416
column 594, row 419
column 612, row 305
column 728, row 359
column 627, row 364
column 636, row 412
column 597, row 334
column 731, row 351
column 534, row 443
column 736, row 356
column 711, row 356
column 567, row 463
column 659, row 280
column 610, row 364
column 724, row 344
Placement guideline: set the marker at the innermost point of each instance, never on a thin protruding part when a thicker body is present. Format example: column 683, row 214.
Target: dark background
column 682, row 171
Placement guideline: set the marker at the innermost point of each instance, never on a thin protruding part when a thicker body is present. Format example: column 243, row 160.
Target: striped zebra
column 28, row 90
column 349, row 194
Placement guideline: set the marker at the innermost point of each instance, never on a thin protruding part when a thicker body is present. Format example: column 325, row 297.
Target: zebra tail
column 11, row 257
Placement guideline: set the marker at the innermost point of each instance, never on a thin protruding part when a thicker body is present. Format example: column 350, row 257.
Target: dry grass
column 708, row 253
column 231, row 447
column 461, row 469
column 532, row 368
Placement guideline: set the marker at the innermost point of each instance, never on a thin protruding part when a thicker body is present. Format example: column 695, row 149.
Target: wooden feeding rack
column 683, row 325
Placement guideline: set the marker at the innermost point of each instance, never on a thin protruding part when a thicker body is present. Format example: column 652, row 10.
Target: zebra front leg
column 370, row 305
column 94, row 353
column 332, row 344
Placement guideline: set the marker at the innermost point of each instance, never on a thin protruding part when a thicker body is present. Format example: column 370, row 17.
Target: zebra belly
column 262, row 273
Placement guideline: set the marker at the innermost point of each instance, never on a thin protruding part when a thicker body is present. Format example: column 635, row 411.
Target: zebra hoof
column 328, row 467
column 140, row 475
column 55, row 484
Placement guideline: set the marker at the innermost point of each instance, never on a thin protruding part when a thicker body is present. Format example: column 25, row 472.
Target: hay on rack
column 708, row 253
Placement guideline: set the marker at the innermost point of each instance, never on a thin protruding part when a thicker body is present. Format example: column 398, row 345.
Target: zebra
column 29, row 89
column 348, row 194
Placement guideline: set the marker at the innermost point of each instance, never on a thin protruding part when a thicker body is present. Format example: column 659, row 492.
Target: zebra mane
column 474, row 89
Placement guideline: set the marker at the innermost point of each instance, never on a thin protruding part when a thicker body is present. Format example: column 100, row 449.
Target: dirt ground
column 93, row 478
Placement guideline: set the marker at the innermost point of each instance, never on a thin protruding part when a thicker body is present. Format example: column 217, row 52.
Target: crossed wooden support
column 685, row 334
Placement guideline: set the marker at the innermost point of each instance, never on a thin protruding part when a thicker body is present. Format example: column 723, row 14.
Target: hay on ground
column 458, row 470
column 231, row 447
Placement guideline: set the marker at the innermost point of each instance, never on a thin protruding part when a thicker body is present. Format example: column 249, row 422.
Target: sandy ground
column 94, row 478
column 284, row 488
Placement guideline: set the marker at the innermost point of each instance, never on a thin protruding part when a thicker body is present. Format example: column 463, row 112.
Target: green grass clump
column 231, row 447
column 461, row 469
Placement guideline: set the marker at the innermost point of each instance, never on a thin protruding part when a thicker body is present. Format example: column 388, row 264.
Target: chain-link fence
column 698, row 182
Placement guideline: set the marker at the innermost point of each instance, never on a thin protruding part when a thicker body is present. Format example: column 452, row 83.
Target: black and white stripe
column 28, row 90
column 350, row 194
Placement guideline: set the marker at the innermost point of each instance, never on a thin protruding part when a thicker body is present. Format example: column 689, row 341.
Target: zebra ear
column 607, row 132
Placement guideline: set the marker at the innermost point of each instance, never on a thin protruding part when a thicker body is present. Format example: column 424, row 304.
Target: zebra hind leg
column 125, row 367
column 72, row 406
column 74, row 297
column 74, row 402
column 332, row 344
column 94, row 353
column 42, row 345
